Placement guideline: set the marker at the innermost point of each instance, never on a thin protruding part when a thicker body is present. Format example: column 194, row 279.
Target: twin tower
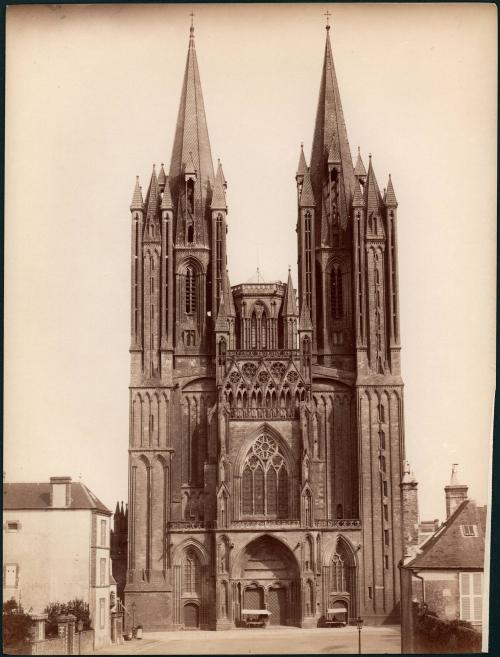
column 266, row 427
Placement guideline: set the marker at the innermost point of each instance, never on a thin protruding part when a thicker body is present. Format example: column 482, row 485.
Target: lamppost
column 79, row 629
column 359, row 623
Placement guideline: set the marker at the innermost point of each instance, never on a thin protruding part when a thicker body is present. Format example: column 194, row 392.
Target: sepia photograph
column 250, row 324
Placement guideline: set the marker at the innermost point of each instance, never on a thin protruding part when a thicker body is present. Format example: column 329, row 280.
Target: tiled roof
column 24, row 496
column 334, row 152
column 449, row 548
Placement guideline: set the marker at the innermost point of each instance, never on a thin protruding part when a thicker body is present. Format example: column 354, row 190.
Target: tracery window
column 191, row 582
column 190, row 291
column 337, row 574
column 265, row 480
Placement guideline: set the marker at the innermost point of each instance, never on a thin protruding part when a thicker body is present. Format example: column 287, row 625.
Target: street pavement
column 270, row 641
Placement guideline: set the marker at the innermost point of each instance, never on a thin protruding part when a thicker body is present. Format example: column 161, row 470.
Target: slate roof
column 359, row 169
column 448, row 548
column 373, row 199
column 26, row 496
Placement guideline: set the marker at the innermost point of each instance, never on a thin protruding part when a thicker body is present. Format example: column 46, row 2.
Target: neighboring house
column 56, row 547
column 445, row 573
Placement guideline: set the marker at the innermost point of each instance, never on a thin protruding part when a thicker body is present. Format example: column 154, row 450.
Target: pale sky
column 92, row 100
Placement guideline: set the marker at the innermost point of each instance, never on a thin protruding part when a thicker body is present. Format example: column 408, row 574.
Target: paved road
column 269, row 641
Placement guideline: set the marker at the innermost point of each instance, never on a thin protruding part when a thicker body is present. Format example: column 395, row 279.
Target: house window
column 386, row 536
column 471, row 596
column 469, row 530
column 103, row 533
column 13, row 526
column 10, row 575
column 386, row 562
column 102, row 572
column 102, row 613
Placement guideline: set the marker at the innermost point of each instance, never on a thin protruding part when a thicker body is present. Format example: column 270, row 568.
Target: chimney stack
column 409, row 490
column 60, row 492
column 455, row 492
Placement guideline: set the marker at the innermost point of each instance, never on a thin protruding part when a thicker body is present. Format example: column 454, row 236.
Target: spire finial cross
column 327, row 19
column 192, row 18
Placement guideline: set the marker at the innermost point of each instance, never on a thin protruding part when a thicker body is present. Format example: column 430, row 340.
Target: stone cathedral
column 266, row 423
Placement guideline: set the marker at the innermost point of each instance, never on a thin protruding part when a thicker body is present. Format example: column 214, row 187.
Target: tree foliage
column 437, row 635
column 16, row 624
column 77, row 607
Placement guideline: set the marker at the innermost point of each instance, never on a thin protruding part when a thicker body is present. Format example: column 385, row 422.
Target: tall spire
column 330, row 127
column 373, row 199
column 191, row 143
column 137, row 200
column 290, row 304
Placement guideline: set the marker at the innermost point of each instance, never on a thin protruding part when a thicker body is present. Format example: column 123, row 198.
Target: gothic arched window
column 190, row 291
column 190, row 195
column 253, row 331
column 263, row 332
column 337, row 573
column 191, row 582
column 337, row 299
column 190, row 234
column 265, row 489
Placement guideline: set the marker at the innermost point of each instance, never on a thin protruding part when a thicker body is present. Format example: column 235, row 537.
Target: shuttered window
column 471, row 596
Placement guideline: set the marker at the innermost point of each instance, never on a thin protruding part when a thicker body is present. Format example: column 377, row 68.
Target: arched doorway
column 342, row 580
column 191, row 616
column 268, row 576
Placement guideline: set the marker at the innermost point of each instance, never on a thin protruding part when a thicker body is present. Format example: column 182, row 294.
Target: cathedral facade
column 266, row 424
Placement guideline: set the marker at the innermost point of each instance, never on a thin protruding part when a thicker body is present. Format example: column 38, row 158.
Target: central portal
column 268, row 579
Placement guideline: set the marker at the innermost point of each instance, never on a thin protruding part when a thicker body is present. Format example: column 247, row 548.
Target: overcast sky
column 92, row 100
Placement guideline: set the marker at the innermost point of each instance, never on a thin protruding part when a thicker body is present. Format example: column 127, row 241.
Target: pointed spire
column 137, row 200
column 390, row 197
column 357, row 199
column 152, row 198
column 219, row 196
column 330, row 124
column 191, row 136
column 162, row 177
column 373, row 199
column 231, row 311
column 307, row 196
column 219, row 168
column 166, row 201
column 222, row 325
column 359, row 169
column 117, row 510
column 290, row 304
column 302, row 166
column 305, row 323
column 334, row 153
column 454, row 476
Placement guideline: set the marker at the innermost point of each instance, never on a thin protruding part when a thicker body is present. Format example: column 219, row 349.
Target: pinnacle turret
column 152, row 198
column 357, row 199
column 290, row 304
column 137, row 200
column 219, row 196
column 390, row 197
column 302, row 166
column 166, row 201
column 222, row 325
column 307, row 195
column 373, row 199
column 162, row 178
column 359, row 169
column 305, row 323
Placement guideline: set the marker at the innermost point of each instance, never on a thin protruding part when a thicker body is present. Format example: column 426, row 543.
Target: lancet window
column 337, row 300
column 190, row 291
column 191, row 582
column 265, row 480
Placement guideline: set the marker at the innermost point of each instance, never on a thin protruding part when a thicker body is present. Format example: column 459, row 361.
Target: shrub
column 437, row 635
column 77, row 607
column 16, row 624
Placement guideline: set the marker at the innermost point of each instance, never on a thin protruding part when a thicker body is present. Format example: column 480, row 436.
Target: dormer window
column 190, row 234
column 469, row 530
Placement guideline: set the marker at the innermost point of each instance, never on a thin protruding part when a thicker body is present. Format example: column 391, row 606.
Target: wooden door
column 191, row 616
column 277, row 606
